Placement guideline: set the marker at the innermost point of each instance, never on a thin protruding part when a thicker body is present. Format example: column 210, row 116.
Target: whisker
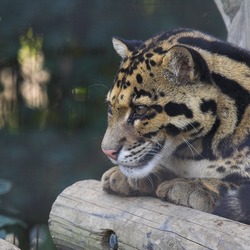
column 188, row 144
column 191, row 147
column 98, row 85
column 151, row 181
column 157, row 176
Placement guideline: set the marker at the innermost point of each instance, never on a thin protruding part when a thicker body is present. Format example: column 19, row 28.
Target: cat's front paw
column 115, row 182
column 189, row 193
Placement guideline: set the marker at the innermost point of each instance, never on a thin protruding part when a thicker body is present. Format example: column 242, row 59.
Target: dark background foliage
column 44, row 150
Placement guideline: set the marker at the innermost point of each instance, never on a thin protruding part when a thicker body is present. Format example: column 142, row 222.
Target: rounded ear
column 179, row 65
column 124, row 47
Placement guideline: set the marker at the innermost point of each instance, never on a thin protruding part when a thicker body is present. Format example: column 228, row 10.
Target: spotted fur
column 179, row 122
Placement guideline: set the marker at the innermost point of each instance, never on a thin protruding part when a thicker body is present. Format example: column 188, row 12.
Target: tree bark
column 236, row 16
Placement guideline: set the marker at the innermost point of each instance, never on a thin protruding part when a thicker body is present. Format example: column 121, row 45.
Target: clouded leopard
column 179, row 123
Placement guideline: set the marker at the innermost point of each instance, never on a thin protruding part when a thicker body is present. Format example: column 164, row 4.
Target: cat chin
column 143, row 170
column 139, row 171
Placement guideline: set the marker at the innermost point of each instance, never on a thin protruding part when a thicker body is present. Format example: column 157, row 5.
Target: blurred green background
column 56, row 65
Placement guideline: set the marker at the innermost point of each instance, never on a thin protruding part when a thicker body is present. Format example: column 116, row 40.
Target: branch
column 236, row 16
column 84, row 217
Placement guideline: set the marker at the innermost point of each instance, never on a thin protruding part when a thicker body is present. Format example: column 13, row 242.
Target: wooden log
column 7, row 246
column 84, row 217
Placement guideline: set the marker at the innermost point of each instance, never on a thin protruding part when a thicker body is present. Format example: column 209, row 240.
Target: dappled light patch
column 35, row 76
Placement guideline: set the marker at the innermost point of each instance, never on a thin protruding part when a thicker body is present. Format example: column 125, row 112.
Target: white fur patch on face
column 141, row 171
column 144, row 170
